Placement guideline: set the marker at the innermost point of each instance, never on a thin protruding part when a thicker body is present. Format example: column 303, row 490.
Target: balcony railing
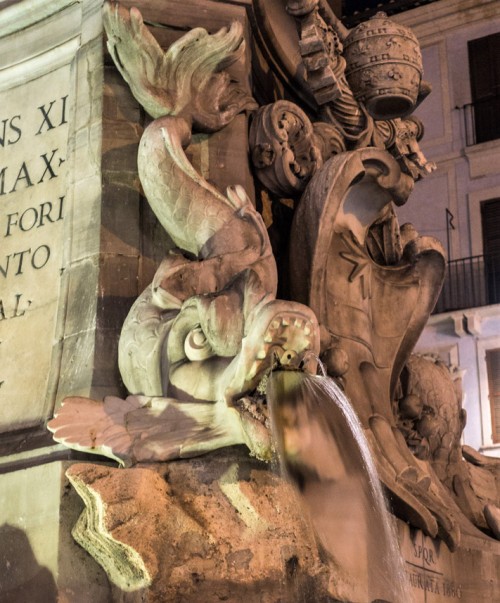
column 482, row 120
column 470, row 283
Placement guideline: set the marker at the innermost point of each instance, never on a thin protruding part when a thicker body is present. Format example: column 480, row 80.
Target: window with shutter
column 493, row 369
column 484, row 64
column 490, row 222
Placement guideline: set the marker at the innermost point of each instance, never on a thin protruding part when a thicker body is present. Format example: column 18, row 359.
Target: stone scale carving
column 199, row 341
column 206, row 330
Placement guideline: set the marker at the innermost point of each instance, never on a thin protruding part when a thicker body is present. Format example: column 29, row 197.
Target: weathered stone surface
column 224, row 527
column 214, row 529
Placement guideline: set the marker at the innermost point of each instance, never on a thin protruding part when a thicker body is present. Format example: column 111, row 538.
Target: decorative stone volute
column 284, row 148
column 384, row 67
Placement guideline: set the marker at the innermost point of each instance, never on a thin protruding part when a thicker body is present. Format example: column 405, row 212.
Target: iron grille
column 470, row 283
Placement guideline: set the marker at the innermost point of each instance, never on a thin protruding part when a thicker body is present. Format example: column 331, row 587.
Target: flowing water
column 324, row 452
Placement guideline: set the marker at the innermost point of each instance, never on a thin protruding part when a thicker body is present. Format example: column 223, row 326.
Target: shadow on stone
column 22, row 578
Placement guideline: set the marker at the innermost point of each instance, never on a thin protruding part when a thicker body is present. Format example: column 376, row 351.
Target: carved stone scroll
column 284, row 147
column 373, row 312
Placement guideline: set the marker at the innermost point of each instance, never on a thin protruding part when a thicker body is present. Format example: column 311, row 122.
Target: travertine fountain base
column 226, row 527
column 222, row 528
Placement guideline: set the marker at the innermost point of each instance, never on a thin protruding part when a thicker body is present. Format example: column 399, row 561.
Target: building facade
column 459, row 203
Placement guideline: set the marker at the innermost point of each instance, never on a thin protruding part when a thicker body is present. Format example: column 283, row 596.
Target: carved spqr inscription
column 34, row 125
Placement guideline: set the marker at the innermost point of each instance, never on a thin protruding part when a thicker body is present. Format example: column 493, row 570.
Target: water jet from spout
column 325, row 454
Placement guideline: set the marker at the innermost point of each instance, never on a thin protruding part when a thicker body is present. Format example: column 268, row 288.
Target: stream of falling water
column 324, row 452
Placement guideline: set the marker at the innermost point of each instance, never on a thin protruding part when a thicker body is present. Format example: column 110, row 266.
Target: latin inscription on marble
column 34, row 128
column 425, row 571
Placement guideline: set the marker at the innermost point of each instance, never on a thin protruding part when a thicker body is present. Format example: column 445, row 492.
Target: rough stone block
column 212, row 529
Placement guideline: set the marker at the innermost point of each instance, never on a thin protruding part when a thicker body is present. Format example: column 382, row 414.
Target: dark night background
column 354, row 11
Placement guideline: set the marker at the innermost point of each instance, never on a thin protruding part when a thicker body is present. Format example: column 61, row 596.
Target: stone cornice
column 29, row 12
column 440, row 16
column 47, row 28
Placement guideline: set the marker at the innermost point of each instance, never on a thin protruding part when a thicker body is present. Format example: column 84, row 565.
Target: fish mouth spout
column 306, row 362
